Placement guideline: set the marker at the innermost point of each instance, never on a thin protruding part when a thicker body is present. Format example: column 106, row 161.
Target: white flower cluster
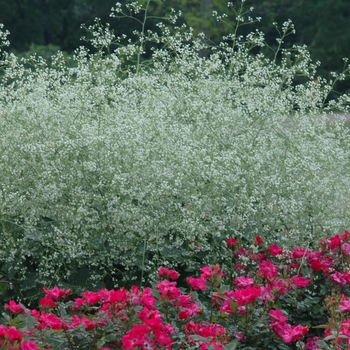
column 3, row 36
column 104, row 164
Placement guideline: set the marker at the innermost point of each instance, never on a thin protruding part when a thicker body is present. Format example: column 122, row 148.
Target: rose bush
column 270, row 298
column 148, row 151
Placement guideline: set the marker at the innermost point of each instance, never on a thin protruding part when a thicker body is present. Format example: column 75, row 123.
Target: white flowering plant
column 146, row 152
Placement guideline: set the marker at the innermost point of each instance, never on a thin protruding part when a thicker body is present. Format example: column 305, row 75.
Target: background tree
column 321, row 24
column 44, row 22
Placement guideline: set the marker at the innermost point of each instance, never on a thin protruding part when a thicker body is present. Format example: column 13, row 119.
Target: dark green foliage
column 322, row 25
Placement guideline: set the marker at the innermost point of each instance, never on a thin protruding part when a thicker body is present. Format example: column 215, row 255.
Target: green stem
column 143, row 43
column 143, row 261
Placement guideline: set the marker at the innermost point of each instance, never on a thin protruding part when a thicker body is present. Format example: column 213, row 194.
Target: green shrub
column 267, row 298
column 116, row 164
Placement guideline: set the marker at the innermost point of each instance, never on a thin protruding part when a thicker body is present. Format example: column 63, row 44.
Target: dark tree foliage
column 44, row 22
column 323, row 25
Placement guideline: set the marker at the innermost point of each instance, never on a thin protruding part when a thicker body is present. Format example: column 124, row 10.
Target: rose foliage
column 269, row 298
column 149, row 150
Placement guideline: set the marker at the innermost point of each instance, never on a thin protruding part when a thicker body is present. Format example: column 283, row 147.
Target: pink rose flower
column 168, row 273
column 300, row 281
column 275, row 250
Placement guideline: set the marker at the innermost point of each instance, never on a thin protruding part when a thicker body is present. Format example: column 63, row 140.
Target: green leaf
column 6, row 316
column 231, row 345
column 26, row 310
column 62, row 310
column 283, row 347
column 198, row 337
column 109, row 338
column 101, row 342
column 225, row 288
column 55, row 339
column 330, row 337
column 3, row 287
column 30, row 321
column 156, row 294
column 22, row 317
